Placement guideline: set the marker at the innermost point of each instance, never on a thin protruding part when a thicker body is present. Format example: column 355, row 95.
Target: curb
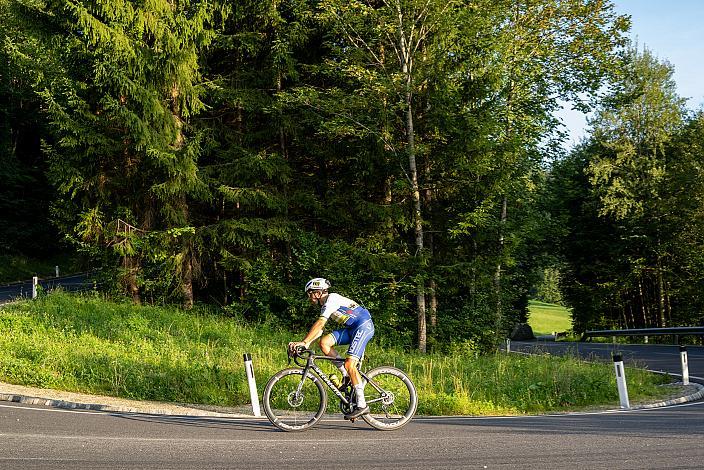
column 185, row 411
column 72, row 405
column 698, row 395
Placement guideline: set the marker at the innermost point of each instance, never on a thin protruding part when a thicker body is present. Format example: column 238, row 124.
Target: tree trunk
column 644, row 308
column 407, row 70
column 432, row 291
column 661, row 294
column 428, row 200
column 187, row 279
column 417, row 222
column 132, row 265
column 631, row 317
column 433, row 304
column 284, row 154
column 188, row 258
column 473, row 275
column 668, row 306
column 498, row 320
column 182, row 204
column 226, row 297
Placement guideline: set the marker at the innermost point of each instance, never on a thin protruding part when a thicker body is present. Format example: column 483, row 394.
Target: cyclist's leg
column 360, row 337
column 328, row 341
column 326, row 345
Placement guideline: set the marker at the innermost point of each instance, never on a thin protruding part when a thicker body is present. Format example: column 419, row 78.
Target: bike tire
column 395, row 404
column 291, row 412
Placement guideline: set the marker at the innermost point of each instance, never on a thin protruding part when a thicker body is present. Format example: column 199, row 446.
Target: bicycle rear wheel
column 391, row 397
column 294, row 403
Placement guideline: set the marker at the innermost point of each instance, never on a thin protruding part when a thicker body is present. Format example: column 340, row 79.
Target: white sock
column 359, row 391
column 343, row 371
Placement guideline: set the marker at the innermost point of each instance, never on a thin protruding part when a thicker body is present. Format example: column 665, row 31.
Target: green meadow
column 546, row 318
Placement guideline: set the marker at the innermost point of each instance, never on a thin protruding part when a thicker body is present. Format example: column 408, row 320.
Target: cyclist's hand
column 294, row 345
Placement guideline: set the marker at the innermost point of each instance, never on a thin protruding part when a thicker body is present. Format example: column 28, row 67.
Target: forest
column 223, row 153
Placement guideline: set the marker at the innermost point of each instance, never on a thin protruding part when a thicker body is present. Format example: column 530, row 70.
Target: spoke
column 391, row 397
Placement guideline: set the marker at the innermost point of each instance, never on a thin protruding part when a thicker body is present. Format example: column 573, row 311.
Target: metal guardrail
column 676, row 331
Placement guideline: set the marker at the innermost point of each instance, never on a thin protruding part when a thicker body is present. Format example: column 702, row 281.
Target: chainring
column 347, row 408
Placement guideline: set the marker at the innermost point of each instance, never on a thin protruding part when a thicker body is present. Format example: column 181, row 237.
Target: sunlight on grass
column 545, row 318
column 85, row 343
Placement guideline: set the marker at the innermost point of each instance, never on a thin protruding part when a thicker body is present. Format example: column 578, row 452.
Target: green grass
column 87, row 344
column 546, row 318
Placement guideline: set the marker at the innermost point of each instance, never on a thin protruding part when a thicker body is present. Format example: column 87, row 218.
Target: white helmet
column 318, row 283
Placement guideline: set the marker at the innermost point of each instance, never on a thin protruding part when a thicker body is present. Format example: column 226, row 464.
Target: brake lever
column 297, row 354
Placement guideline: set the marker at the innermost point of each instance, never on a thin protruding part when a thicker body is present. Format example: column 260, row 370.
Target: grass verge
column 84, row 343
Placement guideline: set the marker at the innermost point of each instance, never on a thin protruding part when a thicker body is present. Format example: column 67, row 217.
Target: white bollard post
column 57, row 270
column 508, row 345
column 249, row 369
column 35, row 281
column 621, row 382
column 685, row 367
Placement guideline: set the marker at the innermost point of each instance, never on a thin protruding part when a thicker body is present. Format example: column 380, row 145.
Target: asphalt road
column 663, row 358
column 45, row 438
column 74, row 282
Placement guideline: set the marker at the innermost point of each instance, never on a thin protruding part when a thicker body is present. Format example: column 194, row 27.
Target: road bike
column 295, row 398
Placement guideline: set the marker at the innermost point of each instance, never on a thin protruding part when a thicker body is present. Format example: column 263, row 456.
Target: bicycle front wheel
column 292, row 402
column 391, row 397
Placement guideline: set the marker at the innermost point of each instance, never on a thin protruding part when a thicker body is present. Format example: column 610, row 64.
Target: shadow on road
column 240, row 424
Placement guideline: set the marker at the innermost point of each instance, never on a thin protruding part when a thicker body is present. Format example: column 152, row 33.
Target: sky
column 673, row 31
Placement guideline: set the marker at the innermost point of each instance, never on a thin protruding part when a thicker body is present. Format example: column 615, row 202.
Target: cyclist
column 357, row 329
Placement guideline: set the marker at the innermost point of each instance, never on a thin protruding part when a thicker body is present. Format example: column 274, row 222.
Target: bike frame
column 311, row 365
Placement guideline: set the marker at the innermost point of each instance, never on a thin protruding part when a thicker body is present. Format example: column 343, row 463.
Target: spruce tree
column 122, row 86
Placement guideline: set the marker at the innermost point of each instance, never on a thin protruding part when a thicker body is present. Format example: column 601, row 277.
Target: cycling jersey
column 344, row 311
column 357, row 326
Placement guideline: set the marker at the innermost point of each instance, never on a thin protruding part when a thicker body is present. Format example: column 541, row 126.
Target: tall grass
column 87, row 344
column 514, row 384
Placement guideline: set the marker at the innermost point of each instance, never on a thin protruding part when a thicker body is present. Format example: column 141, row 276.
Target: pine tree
column 119, row 91
column 247, row 161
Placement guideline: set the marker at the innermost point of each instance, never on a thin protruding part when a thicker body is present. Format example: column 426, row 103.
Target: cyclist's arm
column 316, row 331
